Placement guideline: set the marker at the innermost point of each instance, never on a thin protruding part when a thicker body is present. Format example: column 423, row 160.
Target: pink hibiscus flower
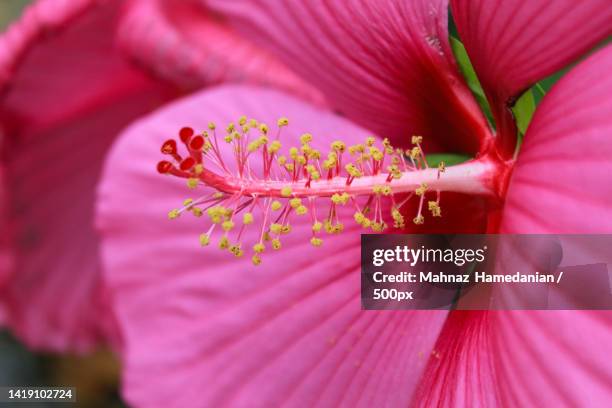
column 68, row 86
column 203, row 328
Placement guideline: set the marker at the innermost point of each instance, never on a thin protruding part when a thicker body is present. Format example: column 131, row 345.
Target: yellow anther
column 283, row 122
column 247, row 218
column 329, row 227
column 421, row 189
column 276, row 228
column 276, row 244
column 286, row 229
column 316, row 227
column 370, row 141
column 338, row 228
column 332, row 159
column 253, row 146
column 242, row 120
column 340, row 199
column 359, row 217
column 387, row 144
column 338, row 146
column 353, row 171
column 358, row 148
column 295, row 202
column 301, row 160
column 435, row 209
column 379, row 226
column 394, row 171
column 317, row 242
column 315, row 175
column 224, row 243
column 218, row 213
column 236, row 135
column 282, row 160
column 301, row 210
column 218, row 194
column 293, row 152
column 256, row 259
column 286, row 191
column 376, row 153
column 197, row 212
column 441, row 167
column 417, row 139
column 263, row 128
column 289, row 166
column 259, row 248
column 276, row 205
column 382, row 189
column 227, row 225
column 419, row 219
column 230, row 127
column 246, row 128
column 228, row 138
column 253, row 123
column 236, row 250
column 187, row 202
column 198, row 169
column 398, row 218
column 192, row 183
column 366, row 222
column 212, row 126
column 204, row 240
column 414, row 153
column 306, row 138
column 314, row 154
column 173, row 214
column 274, row 146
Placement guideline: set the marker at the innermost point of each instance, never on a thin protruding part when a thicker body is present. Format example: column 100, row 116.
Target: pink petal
column 564, row 165
column 561, row 184
column 188, row 45
column 386, row 65
column 513, row 43
column 290, row 332
column 70, row 93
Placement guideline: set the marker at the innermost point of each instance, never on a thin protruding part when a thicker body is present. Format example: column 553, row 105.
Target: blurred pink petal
column 513, row 44
column 561, row 184
column 185, row 43
column 45, row 16
column 288, row 333
column 68, row 95
column 386, row 65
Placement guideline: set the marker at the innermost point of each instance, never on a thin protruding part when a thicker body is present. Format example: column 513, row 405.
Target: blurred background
column 95, row 376
column 9, row 10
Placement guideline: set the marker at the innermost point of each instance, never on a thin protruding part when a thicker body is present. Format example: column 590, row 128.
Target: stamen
column 289, row 184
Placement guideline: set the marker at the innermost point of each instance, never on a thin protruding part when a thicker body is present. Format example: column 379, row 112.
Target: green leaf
column 523, row 110
column 433, row 159
column 465, row 65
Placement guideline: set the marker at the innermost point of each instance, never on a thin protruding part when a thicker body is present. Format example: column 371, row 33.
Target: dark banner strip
column 486, row 272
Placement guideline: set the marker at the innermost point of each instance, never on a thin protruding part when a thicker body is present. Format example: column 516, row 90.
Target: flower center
column 375, row 180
